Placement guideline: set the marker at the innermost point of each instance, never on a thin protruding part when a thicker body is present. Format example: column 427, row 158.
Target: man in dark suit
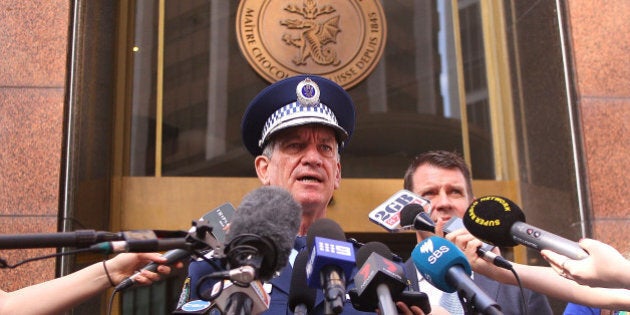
column 444, row 179
column 295, row 129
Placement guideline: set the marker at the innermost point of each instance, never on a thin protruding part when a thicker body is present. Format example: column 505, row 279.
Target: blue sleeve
column 196, row 270
column 576, row 309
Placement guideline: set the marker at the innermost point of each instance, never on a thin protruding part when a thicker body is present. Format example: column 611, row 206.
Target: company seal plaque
column 342, row 40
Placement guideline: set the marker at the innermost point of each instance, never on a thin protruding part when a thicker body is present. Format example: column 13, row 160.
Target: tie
column 299, row 243
column 450, row 301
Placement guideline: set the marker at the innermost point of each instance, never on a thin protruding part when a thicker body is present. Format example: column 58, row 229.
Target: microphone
column 387, row 214
column 217, row 218
column 501, row 222
column 379, row 278
column 414, row 215
column 262, row 232
column 141, row 245
column 171, row 256
column 79, row 238
column 442, row 264
column 259, row 243
column 330, row 264
column 301, row 297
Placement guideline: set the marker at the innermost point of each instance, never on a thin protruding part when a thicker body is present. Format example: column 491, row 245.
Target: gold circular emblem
column 339, row 40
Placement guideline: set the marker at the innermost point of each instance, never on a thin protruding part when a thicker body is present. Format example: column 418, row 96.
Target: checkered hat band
column 319, row 112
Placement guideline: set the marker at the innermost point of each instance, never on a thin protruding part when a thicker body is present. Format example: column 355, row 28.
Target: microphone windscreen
column 299, row 292
column 326, row 228
column 372, row 247
column 490, row 218
column 272, row 214
column 434, row 256
column 409, row 212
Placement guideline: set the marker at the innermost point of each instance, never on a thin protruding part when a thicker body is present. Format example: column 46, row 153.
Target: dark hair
column 441, row 159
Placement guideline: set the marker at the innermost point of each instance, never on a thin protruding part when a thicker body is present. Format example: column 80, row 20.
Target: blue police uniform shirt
column 279, row 292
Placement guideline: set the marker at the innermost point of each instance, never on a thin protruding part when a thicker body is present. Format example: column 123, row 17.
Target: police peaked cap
column 297, row 101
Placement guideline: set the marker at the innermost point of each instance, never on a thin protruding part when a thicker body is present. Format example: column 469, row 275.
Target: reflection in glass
column 409, row 104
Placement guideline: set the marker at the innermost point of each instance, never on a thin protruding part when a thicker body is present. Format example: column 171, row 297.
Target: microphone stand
column 475, row 301
column 239, row 304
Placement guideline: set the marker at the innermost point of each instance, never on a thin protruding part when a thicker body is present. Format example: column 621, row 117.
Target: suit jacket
column 507, row 296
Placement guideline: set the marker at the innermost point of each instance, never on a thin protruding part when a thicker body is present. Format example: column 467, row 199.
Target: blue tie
column 300, row 243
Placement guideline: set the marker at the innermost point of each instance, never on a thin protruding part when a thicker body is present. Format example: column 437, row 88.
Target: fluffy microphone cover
column 271, row 213
column 490, row 218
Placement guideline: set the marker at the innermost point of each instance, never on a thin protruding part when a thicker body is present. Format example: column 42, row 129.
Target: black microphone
column 217, row 218
column 501, row 222
column 414, row 215
column 301, row 297
column 259, row 242
column 171, row 256
column 141, row 245
column 443, row 265
column 330, row 264
column 378, row 277
column 79, row 238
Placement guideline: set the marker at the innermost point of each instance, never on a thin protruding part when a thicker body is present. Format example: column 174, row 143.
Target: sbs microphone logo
column 434, row 255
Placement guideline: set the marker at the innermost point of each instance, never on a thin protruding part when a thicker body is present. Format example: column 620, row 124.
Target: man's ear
column 261, row 163
column 338, row 176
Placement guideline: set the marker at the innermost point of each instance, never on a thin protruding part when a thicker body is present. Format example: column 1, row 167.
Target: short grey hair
column 270, row 146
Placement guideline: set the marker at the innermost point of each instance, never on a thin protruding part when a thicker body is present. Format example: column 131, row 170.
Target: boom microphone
column 330, row 264
column 301, row 297
column 79, row 238
column 141, row 245
column 501, row 222
column 379, row 278
column 442, row 264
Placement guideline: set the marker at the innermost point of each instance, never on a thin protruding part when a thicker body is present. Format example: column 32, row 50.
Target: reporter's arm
column 404, row 309
column 543, row 280
column 604, row 267
column 61, row 294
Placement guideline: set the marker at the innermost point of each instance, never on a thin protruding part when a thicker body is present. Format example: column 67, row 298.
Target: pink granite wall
column 33, row 41
column 601, row 44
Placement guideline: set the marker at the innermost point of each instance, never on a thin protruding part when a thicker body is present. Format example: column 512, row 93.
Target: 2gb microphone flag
column 387, row 214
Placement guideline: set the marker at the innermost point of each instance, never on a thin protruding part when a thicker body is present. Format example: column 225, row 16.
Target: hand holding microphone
column 125, row 264
column 413, row 215
column 604, row 267
column 501, row 222
column 380, row 282
column 217, row 218
column 442, row 264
